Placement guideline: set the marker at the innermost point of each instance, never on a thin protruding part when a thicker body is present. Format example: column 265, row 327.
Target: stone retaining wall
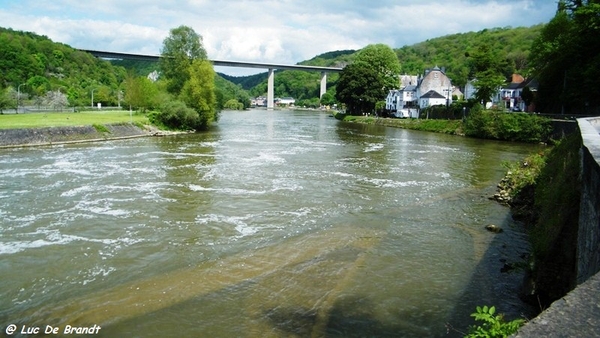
column 56, row 135
column 578, row 313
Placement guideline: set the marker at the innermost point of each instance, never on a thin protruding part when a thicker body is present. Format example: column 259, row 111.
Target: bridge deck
column 243, row 64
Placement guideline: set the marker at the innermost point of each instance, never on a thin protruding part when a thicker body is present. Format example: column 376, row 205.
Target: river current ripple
column 274, row 223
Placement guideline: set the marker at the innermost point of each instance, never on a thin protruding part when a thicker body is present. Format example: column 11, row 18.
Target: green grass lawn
column 86, row 118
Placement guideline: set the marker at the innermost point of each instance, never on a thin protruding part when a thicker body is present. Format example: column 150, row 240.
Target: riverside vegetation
column 479, row 123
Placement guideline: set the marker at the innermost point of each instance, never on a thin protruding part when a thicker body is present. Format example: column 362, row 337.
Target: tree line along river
column 274, row 223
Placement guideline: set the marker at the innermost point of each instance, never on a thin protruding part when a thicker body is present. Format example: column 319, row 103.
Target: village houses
column 418, row 92
column 435, row 88
column 508, row 96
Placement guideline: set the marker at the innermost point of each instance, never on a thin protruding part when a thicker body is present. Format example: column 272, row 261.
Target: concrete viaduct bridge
column 270, row 66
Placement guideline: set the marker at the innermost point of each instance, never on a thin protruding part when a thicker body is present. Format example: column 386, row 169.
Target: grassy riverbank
column 494, row 125
column 56, row 119
column 34, row 129
column 453, row 127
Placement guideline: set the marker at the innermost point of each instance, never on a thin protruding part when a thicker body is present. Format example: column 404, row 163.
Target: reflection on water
column 273, row 224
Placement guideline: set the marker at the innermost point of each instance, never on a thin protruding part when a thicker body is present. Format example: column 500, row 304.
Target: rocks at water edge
column 493, row 228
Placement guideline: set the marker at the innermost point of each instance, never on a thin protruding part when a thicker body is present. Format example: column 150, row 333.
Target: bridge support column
column 270, row 88
column 323, row 84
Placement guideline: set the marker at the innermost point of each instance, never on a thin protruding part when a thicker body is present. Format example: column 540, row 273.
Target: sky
column 266, row 31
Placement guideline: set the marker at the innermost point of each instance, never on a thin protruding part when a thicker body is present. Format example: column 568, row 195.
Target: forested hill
column 39, row 65
column 35, row 65
column 450, row 51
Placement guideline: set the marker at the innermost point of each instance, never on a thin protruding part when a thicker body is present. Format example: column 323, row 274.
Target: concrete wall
column 578, row 313
column 588, row 244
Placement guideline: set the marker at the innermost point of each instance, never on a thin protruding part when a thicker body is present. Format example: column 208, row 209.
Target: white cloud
column 264, row 30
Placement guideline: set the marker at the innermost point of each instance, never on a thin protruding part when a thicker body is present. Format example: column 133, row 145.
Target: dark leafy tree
column 359, row 88
column 383, row 62
column 566, row 60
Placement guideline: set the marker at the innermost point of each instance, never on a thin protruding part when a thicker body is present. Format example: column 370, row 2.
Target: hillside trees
column 44, row 65
column 513, row 44
column 228, row 92
column 566, row 59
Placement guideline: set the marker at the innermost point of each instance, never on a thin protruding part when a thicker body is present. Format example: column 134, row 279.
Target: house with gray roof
column 417, row 92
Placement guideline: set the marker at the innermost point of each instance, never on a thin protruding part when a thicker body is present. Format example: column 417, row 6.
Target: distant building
column 260, row 101
column 153, row 76
column 285, row 101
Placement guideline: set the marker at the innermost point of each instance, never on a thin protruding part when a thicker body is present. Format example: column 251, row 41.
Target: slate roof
column 432, row 94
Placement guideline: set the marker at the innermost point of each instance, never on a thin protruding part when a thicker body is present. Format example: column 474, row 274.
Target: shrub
column 176, row 115
column 493, row 325
column 233, row 104
column 496, row 125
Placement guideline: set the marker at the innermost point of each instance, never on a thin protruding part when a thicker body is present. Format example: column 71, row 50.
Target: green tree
column 4, row 100
column 140, row 93
column 180, row 49
column 566, row 59
column 383, row 61
column 198, row 92
column 359, row 88
column 487, row 67
column 233, row 104
column 368, row 80
column 327, row 99
column 527, row 96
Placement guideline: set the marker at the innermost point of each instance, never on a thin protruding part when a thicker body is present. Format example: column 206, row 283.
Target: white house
column 432, row 98
column 435, row 79
column 400, row 101
column 433, row 88
column 507, row 96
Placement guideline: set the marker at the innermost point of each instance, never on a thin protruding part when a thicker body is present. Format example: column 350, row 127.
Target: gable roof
column 432, row 94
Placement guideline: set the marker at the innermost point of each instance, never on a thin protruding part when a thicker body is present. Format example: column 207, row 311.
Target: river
column 273, row 224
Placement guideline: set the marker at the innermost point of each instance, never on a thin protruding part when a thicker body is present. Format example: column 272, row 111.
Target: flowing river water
column 273, row 224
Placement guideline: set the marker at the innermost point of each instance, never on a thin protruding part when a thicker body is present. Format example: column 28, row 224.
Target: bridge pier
column 270, row 89
column 323, row 84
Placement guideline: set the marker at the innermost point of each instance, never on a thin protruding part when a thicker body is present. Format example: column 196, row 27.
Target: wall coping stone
column 575, row 315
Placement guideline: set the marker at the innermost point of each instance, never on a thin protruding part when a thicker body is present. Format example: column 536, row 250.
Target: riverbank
column 452, row 127
column 27, row 137
column 483, row 124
